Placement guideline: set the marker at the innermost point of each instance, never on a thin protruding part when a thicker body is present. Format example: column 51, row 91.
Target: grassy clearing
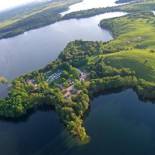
column 139, row 6
column 140, row 61
column 135, row 44
column 132, row 31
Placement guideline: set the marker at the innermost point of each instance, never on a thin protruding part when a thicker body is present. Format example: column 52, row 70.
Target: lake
column 89, row 4
column 118, row 123
column 34, row 49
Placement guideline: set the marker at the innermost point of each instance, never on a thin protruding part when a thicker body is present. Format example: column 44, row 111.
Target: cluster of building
column 51, row 77
column 54, row 76
column 82, row 76
column 33, row 83
column 71, row 90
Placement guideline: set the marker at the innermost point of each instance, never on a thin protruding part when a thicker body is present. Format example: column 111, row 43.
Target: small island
column 124, row 1
column 3, row 80
column 86, row 69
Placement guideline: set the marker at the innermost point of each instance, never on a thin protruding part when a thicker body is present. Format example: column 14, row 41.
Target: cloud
column 7, row 4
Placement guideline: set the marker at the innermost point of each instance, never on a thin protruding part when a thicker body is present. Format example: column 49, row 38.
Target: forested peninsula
column 85, row 69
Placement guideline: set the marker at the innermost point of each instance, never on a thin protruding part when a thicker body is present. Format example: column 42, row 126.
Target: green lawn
column 132, row 31
column 140, row 61
column 134, row 44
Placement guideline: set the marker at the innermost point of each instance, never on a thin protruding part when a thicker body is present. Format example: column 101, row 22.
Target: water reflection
column 89, row 4
column 34, row 49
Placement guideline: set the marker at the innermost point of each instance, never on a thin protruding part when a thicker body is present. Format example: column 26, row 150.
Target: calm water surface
column 90, row 4
column 118, row 124
column 34, row 49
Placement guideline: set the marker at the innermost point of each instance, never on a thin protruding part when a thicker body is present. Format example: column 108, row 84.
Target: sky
column 7, row 4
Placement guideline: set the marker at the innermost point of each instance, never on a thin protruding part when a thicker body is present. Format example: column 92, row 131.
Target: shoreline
column 58, row 20
column 58, row 17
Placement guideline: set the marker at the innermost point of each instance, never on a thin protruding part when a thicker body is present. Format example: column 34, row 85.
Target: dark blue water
column 31, row 135
column 119, row 124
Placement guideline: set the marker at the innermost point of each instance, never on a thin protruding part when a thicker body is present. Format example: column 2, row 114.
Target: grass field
column 140, row 61
column 139, row 6
column 134, row 44
column 132, row 31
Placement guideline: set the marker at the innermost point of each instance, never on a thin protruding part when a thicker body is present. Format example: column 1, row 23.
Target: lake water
column 119, row 124
column 90, row 4
column 30, row 135
column 34, row 49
